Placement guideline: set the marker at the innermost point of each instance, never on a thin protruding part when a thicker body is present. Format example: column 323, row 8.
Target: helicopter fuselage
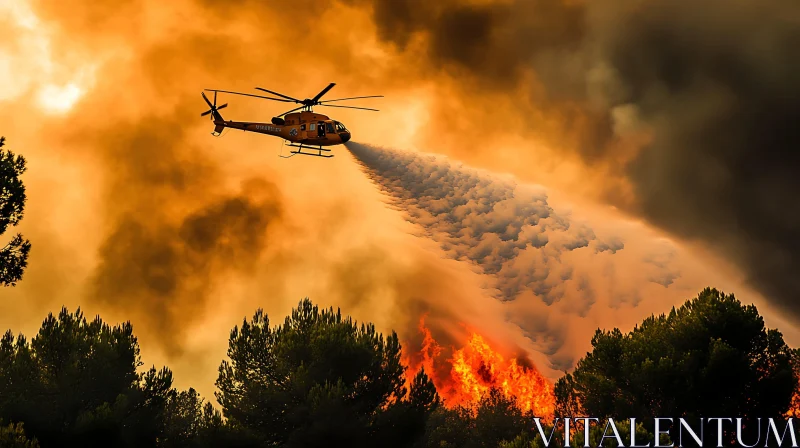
column 307, row 128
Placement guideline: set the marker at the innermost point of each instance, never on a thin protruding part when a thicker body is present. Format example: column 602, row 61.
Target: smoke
column 167, row 223
column 554, row 274
column 506, row 230
column 693, row 105
column 173, row 226
column 718, row 86
column 161, row 270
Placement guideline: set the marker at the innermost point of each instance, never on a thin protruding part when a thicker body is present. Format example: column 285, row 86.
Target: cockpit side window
column 340, row 127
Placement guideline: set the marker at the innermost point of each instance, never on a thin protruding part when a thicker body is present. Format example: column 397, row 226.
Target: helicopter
column 305, row 129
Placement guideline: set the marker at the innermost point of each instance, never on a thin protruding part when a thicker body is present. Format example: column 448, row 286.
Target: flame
column 476, row 368
column 794, row 408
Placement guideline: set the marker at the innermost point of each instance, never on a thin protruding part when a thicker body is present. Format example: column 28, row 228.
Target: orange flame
column 476, row 368
column 794, row 407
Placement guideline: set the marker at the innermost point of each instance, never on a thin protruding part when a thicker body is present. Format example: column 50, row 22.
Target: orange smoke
column 473, row 370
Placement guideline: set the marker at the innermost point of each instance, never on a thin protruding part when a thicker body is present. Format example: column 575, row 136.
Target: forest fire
column 474, row 369
column 794, row 408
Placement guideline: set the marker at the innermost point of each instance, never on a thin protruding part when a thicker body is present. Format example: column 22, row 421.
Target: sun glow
column 29, row 67
column 59, row 99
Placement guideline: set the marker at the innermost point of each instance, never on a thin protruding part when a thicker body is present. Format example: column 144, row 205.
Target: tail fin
column 215, row 115
column 218, row 128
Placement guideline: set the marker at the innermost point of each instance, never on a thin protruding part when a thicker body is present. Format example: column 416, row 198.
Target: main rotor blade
column 223, row 106
column 323, row 92
column 248, row 94
column 349, row 107
column 296, row 108
column 205, row 113
column 206, row 98
column 351, row 98
column 279, row 94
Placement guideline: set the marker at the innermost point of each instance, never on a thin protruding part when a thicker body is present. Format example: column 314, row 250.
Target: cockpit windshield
column 340, row 127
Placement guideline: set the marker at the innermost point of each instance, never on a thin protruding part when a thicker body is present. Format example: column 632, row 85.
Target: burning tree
column 476, row 370
column 794, row 407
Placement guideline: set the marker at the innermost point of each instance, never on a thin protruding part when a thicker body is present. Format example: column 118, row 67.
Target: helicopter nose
column 345, row 137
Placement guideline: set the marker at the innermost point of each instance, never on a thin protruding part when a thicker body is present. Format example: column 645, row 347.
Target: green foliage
column 76, row 383
column 184, row 419
column 422, row 394
column 712, row 356
column 319, row 378
column 189, row 422
column 14, row 255
column 13, row 436
column 494, row 420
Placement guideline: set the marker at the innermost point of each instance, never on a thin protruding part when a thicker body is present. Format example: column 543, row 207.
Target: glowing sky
column 136, row 212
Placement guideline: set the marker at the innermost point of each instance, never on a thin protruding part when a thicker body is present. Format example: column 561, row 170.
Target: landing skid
column 300, row 151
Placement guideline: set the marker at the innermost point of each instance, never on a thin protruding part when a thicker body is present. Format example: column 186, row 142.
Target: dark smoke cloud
column 175, row 230
column 718, row 84
column 165, row 270
column 508, row 231
column 714, row 84
column 496, row 41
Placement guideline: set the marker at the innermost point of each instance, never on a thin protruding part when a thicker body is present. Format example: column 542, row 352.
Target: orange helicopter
column 301, row 129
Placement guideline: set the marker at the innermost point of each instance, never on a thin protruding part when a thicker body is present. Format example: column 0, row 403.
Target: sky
column 538, row 168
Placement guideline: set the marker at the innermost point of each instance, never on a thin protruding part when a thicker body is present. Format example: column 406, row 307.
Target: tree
column 794, row 408
column 76, row 384
column 13, row 436
column 184, row 419
column 448, row 428
column 189, row 422
column 495, row 419
column 318, row 379
column 14, row 255
column 711, row 357
column 402, row 424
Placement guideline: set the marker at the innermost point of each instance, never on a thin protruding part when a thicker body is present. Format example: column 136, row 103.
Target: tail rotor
column 213, row 107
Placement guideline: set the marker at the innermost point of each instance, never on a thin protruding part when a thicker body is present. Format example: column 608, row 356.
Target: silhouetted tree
column 448, row 428
column 318, row 379
column 14, row 255
column 190, row 422
column 402, row 424
column 184, row 419
column 493, row 420
column 711, row 357
column 794, row 407
column 76, row 384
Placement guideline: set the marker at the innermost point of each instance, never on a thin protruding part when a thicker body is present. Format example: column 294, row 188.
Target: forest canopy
column 320, row 378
